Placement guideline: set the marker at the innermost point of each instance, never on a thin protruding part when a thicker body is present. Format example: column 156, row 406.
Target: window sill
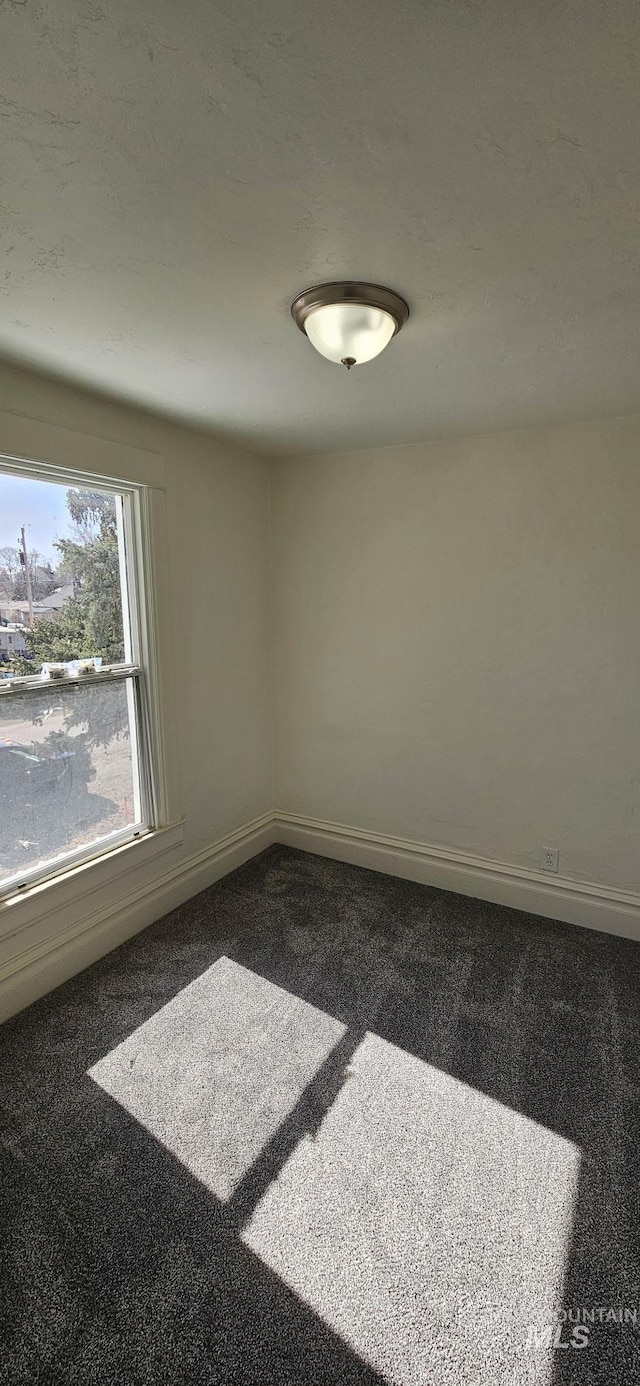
column 26, row 907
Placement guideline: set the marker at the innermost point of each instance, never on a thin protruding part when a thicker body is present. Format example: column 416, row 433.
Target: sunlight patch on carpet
column 214, row 1073
column 426, row 1224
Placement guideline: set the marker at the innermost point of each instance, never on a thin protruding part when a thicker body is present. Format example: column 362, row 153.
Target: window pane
column 68, row 773
column 61, row 575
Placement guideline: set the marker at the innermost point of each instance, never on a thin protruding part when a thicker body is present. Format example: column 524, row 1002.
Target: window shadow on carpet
column 119, row 1268
column 398, row 1060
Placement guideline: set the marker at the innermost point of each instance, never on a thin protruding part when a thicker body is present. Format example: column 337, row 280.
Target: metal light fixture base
column 350, row 291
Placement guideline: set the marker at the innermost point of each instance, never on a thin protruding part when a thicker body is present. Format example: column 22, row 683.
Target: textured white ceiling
column 174, row 173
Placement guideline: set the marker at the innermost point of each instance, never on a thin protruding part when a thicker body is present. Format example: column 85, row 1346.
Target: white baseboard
column 31, row 973
column 36, row 970
column 557, row 897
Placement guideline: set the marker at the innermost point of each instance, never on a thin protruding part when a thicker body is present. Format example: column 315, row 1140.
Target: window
column 76, row 770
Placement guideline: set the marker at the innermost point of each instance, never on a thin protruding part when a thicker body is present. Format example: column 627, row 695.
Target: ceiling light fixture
column 349, row 322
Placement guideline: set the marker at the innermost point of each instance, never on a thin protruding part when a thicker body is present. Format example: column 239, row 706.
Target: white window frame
column 139, row 671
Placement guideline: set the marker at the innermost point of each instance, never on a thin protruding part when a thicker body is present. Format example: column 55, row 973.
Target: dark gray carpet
column 321, row 1125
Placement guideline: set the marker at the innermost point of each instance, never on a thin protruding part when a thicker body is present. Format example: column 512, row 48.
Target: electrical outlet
column 550, row 858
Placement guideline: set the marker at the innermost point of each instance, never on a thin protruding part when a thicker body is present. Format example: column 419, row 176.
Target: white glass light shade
column 349, row 331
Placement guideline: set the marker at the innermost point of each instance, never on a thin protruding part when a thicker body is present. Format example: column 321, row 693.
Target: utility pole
column 24, row 559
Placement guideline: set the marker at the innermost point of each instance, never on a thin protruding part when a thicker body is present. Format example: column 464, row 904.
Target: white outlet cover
column 550, row 858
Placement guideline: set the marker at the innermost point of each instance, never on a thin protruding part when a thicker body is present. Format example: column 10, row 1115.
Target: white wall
column 455, row 658
column 457, row 653
column 216, row 655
